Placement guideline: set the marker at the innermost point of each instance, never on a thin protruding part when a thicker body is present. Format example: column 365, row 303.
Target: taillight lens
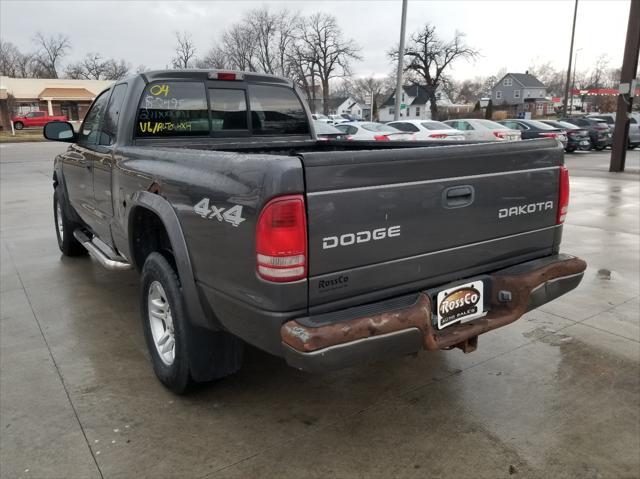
column 563, row 195
column 381, row 138
column 437, row 135
column 549, row 135
column 281, row 240
column 499, row 134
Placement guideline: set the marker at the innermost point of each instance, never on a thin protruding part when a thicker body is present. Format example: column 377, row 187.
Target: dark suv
column 599, row 132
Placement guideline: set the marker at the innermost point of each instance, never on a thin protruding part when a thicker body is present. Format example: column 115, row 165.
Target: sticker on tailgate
column 460, row 303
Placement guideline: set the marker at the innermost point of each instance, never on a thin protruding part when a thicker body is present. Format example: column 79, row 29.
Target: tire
column 164, row 314
column 599, row 148
column 68, row 244
column 18, row 125
column 570, row 150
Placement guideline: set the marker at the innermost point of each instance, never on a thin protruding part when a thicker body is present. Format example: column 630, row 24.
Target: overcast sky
column 509, row 34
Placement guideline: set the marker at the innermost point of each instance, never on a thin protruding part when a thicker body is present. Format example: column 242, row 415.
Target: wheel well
column 148, row 235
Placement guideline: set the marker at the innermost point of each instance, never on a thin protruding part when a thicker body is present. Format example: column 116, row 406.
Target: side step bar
column 102, row 252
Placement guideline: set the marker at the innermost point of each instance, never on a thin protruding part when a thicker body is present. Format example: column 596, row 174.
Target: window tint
column 276, row 111
column 464, row 126
column 435, row 125
column 173, row 109
column 110, row 124
column 405, row 127
column 228, row 109
column 89, row 131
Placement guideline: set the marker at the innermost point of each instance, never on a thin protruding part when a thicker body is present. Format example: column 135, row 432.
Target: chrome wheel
column 161, row 323
column 59, row 223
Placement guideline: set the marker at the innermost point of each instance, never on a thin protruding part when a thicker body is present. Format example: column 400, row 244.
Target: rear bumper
column 410, row 328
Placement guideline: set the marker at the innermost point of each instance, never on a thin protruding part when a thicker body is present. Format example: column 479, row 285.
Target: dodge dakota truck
column 247, row 229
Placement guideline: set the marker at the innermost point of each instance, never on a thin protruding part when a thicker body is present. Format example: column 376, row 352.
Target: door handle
column 458, row 196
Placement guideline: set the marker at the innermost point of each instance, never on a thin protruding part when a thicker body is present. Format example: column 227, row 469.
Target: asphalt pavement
column 555, row 394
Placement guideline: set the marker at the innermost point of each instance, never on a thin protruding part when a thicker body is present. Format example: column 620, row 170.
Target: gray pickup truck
column 246, row 228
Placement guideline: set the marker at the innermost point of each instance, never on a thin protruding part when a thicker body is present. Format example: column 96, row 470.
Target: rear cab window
column 193, row 108
column 173, row 109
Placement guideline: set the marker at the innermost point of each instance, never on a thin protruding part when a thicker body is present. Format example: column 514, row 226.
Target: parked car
column 599, row 131
column 372, row 131
column 577, row 138
column 634, row 126
column 428, row 129
column 35, row 118
column 247, row 229
column 321, row 117
column 336, row 119
column 530, row 129
column 325, row 131
column 477, row 129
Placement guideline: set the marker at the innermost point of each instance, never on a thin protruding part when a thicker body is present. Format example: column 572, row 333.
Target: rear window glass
column 436, row 125
column 492, row 125
column 322, row 127
column 228, row 109
column 276, row 111
column 173, row 109
column 541, row 126
column 378, row 127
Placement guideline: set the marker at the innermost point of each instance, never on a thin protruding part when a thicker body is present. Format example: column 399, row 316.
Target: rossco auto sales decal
column 463, row 302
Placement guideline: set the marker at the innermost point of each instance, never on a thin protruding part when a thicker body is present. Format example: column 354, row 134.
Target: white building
column 417, row 104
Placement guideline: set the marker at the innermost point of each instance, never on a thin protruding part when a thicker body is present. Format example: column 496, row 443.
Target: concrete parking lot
column 556, row 394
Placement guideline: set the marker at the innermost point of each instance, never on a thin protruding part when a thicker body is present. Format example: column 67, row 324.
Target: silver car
column 634, row 126
column 476, row 129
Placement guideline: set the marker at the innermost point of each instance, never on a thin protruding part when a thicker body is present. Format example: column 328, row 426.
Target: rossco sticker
column 460, row 303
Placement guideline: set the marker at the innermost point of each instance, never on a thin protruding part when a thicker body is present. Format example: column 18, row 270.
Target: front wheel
column 18, row 125
column 67, row 243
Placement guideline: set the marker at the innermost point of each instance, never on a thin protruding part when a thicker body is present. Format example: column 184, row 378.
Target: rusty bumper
column 406, row 330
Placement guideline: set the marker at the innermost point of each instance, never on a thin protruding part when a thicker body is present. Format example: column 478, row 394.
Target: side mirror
column 60, row 131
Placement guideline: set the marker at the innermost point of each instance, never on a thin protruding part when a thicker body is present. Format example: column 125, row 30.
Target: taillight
column 499, row 134
column 563, row 195
column 437, row 135
column 281, row 239
column 381, row 138
column 549, row 135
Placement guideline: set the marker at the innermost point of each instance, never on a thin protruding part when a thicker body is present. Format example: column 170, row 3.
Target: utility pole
column 573, row 81
column 626, row 88
column 403, row 25
column 573, row 33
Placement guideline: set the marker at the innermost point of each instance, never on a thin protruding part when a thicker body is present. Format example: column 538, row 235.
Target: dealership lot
column 553, row 395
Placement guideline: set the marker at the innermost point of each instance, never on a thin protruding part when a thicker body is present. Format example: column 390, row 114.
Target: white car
column 475, row 129
column 372, row 131
column 428, row 130
column 321, row 117
column 335, row 119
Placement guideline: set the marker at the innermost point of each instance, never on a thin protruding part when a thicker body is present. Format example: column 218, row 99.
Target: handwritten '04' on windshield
column 154, row 103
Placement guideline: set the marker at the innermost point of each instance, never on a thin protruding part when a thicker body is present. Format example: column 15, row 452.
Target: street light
column 573, row 81
column 566, row 87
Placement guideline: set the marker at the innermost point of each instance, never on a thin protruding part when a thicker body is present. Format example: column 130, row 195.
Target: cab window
column 228, row 109
column 276, row 111
column 173, row 109
column 90, row 127
column 109, row 127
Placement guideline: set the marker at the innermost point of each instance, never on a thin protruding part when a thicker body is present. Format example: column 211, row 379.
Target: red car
column 35, row 118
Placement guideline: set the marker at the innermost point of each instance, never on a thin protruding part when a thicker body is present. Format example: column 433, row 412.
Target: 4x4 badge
column 232, row 215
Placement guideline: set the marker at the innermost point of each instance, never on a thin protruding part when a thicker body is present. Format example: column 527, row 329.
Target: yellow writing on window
column 159, row 89
column 161, row 127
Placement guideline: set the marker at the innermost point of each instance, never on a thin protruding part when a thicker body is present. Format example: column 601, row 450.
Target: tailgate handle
column 458, row 196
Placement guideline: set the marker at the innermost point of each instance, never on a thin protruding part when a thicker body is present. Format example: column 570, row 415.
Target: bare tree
column 430, row 57
column 51, row 50
column 470, row 91
column 185, row 51
column 239, row 46
column 552, row 78
column 9, row 59
column 215, row 58
column 599, row 72
column 367, row 90
column 94, row 67
column 329, row 51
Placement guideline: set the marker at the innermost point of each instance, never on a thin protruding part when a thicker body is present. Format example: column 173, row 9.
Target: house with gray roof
column 522, row 92
column 416, row 101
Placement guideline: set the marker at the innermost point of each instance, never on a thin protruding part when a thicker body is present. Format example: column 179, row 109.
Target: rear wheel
column 65, row 227
column 169, row 335
column 599, row 148
column 18, row 125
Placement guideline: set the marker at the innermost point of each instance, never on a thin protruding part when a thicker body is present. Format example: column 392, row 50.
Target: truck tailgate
column 381, row 223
